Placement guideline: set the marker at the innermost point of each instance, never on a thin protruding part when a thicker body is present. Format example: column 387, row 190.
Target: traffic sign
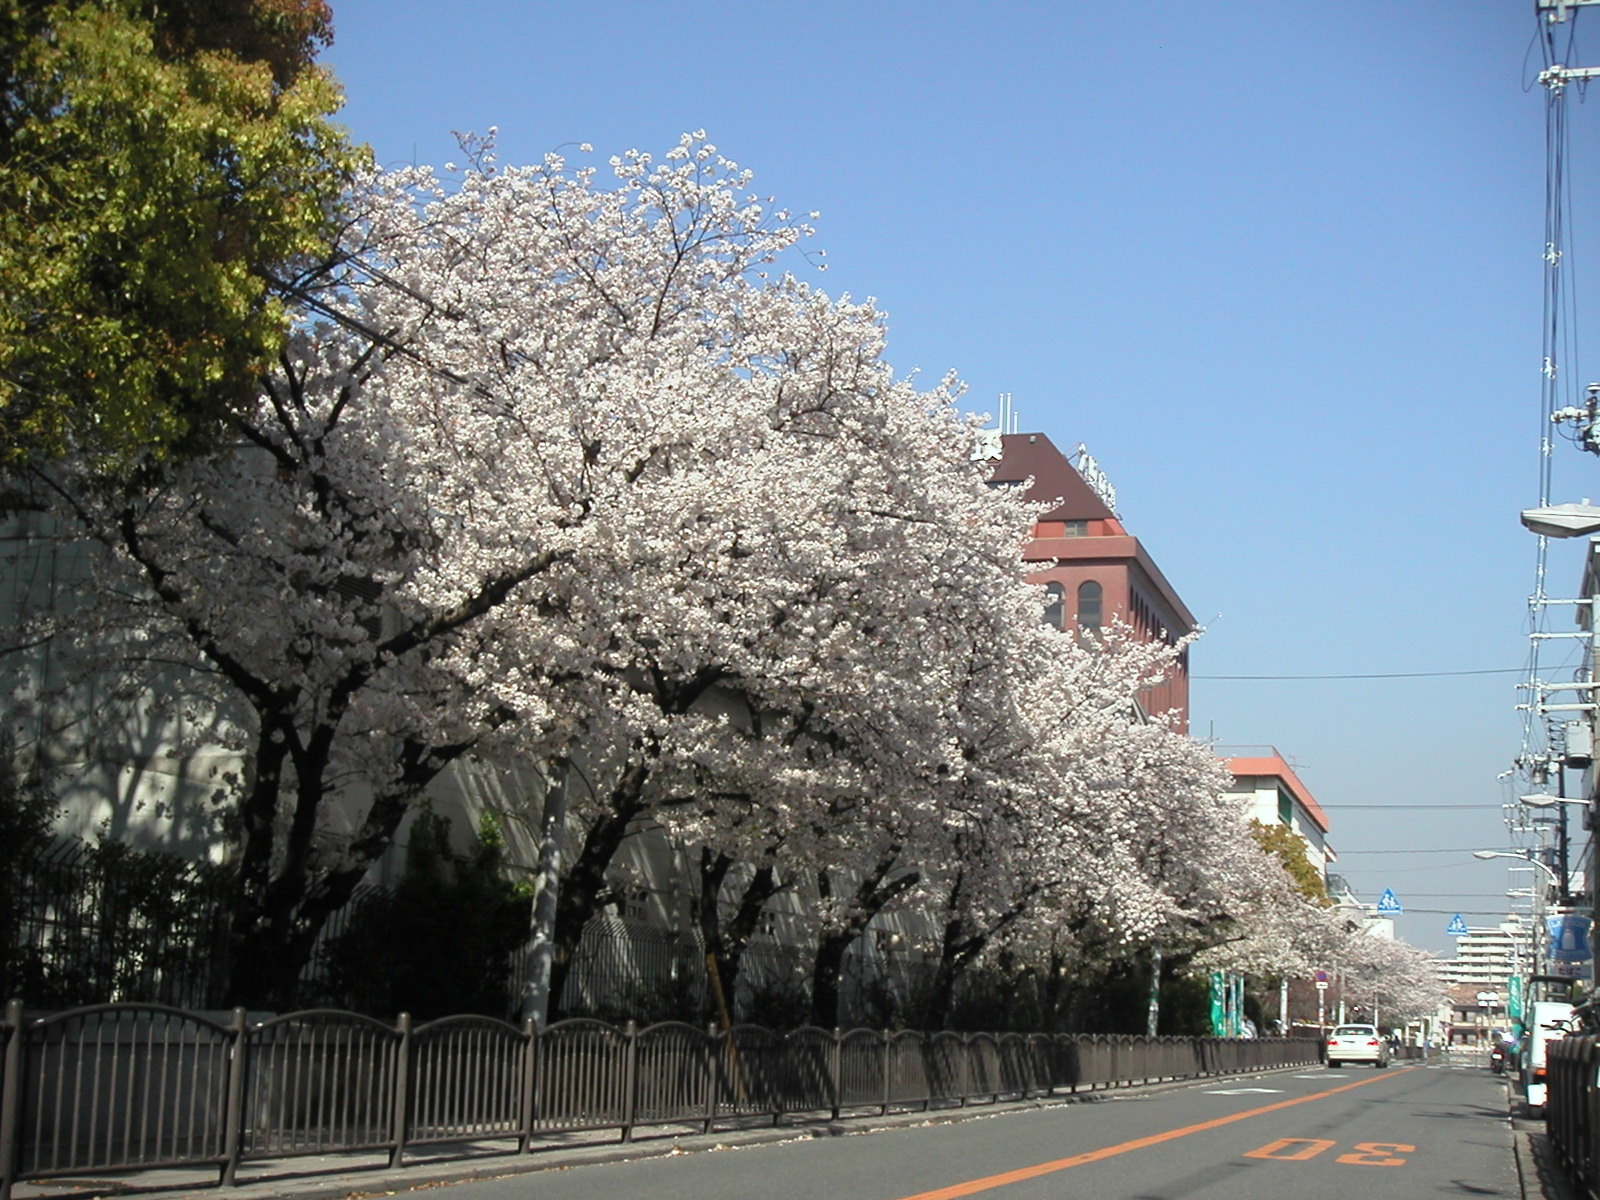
column 1568, row 938
column 1457, row 926
column 1322, row 985
column 1321, row 977
column 1387, row 903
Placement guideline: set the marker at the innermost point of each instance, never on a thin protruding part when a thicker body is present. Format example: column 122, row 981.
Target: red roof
column 1273, row 767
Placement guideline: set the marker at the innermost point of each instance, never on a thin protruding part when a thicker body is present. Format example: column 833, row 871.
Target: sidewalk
column 360, row 1177
column 1538, row 1170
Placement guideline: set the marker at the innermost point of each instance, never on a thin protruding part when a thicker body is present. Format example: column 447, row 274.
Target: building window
column 1054, row 598
column 1075, row 529
column 1285, row 807
column 1089, row 608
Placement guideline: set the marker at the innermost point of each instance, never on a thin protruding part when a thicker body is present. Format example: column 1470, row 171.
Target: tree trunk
column 727, row 941
column 746, row 922
column 952, row 961
column 278, row 918
column 826, row 972
column 253, row 962
column 870, row 897
column 583, row 885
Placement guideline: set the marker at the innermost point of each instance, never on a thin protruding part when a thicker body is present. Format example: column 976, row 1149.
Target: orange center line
column 973, row 1186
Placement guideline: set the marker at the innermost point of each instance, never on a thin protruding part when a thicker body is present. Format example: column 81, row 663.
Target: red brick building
column 1092, row 568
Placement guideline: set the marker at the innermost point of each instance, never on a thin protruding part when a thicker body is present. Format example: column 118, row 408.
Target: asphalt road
column 1351, row 1134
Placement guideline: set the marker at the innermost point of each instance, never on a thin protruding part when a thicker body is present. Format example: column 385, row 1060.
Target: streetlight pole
column 1528, row 860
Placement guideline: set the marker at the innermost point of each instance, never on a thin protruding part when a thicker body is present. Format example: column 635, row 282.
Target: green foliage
column 161, row 167
column 84, row 924
column 1289, row 848
column 438, row 942
column 777, row 1006
column 1185, row 1006
column 26, row 815
column 676, row 999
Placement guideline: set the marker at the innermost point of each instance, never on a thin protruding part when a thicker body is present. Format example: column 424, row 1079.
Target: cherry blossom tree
column 558, row 466
column 566, row 470
column 1395, row 981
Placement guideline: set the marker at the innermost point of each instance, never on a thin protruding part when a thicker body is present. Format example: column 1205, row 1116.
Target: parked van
column 1545, row 1021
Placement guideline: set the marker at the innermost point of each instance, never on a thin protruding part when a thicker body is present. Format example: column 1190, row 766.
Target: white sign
column 1091, row 473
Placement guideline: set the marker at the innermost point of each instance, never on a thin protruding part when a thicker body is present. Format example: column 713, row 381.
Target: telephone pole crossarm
column 1555, row 11
column 1559, row 76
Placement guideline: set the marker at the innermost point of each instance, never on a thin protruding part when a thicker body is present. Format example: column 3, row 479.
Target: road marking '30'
column 1365, row 1154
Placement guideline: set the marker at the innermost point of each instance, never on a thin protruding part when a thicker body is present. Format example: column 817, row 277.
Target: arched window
column 1089, row 604
column 1054, row 600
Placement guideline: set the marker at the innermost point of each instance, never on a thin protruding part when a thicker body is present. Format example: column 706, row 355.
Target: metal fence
column 122, row 1087
column 1572, row 1108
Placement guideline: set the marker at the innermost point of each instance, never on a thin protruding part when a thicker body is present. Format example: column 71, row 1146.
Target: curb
column 362, row 1183
column 1538, row 1171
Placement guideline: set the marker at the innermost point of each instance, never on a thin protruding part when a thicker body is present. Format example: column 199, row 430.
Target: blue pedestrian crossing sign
column 1387, row 904
column 1457, row 926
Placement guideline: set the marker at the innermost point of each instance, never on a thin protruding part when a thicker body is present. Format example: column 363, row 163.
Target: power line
column 1334, row 804
column 1439, row 850
column 1376, row 675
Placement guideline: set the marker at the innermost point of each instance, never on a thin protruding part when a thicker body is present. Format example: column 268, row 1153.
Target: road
column 1356, row 1133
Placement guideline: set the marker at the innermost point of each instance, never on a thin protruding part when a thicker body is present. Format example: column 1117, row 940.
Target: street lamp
column 1545, row 867
column 1562, row 520
column 1544, row 800
column 1555, row 881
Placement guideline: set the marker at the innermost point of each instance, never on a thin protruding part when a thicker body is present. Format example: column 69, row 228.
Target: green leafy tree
column 1289, row 848
column 439, row 941
column 167, row 175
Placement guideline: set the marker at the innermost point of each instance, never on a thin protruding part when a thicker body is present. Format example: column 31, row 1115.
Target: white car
column 1357, row 1043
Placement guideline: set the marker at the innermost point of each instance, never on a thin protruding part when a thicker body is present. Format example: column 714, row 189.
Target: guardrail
column 1572, row 1108
column 121, row 1087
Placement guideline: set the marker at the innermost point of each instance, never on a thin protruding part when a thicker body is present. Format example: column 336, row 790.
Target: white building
column 1275, row 795
column 1488, row 957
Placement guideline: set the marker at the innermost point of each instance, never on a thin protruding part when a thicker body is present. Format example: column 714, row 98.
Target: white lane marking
column 1238, row 1091
column 1324, row 1075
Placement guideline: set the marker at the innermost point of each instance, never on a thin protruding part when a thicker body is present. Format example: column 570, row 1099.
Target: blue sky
column 1276, row 263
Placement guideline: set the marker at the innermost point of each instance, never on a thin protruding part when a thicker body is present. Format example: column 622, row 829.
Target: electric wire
column 1430, row 850
column 1374, row 675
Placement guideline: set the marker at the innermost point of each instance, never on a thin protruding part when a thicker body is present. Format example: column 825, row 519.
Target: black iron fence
column 122, row 1087
column 102, row 923
column 1572, row 1108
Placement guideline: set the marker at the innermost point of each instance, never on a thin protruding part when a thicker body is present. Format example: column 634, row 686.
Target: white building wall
column 1263, row 798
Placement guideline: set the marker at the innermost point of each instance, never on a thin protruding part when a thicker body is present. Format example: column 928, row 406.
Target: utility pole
column 1561, row 832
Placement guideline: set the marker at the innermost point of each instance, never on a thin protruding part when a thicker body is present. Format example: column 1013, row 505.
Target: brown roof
column 1024, row 455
